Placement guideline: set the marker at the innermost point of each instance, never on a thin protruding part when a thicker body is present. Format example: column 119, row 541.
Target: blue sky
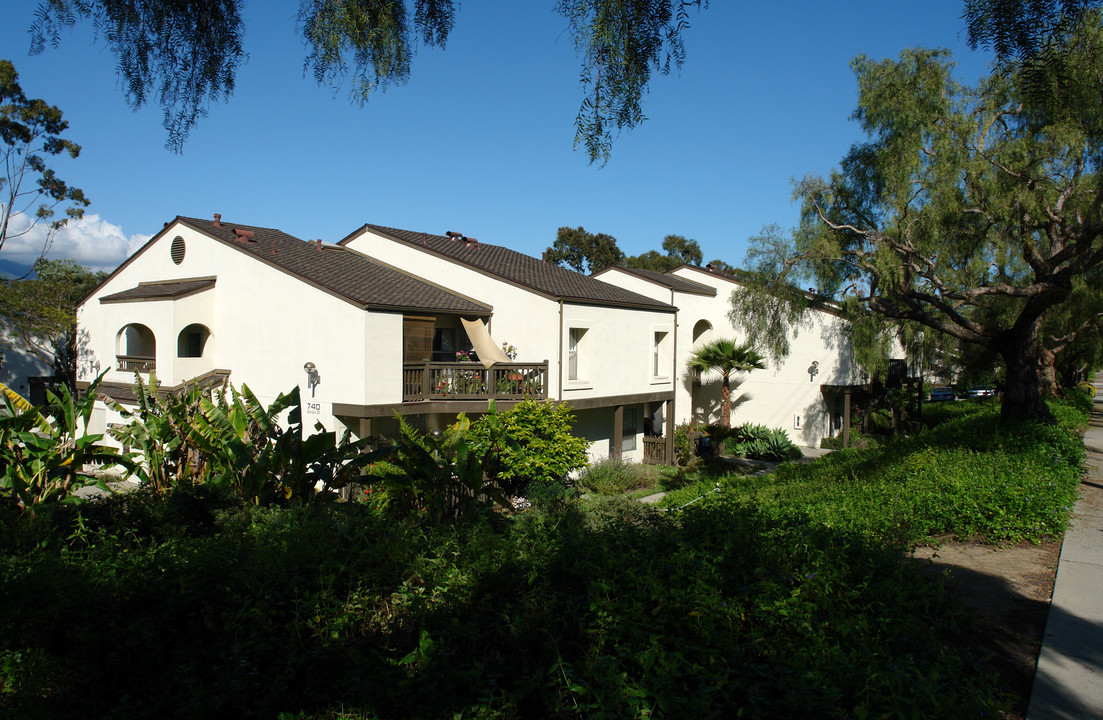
column 480, row 139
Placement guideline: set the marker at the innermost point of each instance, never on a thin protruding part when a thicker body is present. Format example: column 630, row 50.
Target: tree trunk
column 1031, row 378
column 725, row 404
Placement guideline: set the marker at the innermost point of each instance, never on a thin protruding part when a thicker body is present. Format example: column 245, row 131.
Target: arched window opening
column 700, row 329
column 702, row 333
column 136, row 348
column 192, row 341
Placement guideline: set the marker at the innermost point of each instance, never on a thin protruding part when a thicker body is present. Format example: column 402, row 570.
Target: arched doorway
column 192, row 341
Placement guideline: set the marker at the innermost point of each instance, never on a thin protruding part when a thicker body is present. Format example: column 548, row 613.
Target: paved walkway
column 1068, row 684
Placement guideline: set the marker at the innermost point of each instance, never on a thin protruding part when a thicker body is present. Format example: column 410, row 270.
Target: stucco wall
column 265, row 325
column 781, row 396
column 618, row 341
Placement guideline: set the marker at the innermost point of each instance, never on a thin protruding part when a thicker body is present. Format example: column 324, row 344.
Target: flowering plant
column 464, row 356
column 509, row 350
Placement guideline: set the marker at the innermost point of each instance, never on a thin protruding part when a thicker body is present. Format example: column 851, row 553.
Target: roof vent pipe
column 244, row 235
column 453, row 234
column 318, row 244
column 218, row 220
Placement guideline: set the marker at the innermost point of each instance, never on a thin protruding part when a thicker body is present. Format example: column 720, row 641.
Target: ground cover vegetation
column 774, row 597
column 965, row 476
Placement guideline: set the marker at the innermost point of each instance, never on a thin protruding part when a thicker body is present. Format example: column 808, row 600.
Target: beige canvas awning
column 489, row 352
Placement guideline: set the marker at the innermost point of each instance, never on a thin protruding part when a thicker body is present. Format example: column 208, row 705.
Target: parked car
column 942, row 393
column 981, row 391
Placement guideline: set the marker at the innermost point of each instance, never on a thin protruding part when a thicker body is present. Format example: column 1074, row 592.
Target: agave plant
column 759, row 442
column 46, row 452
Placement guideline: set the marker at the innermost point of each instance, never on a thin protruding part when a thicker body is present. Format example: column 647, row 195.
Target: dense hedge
column 615, row 612
column 778, row 597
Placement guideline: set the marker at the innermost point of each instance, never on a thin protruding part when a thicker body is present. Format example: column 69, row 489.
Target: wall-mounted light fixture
column 313, row 377
column 813, row 370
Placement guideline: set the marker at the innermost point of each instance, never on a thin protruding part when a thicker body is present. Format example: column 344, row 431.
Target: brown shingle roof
column 339, row 270
column 543, row 277
column 160, row 290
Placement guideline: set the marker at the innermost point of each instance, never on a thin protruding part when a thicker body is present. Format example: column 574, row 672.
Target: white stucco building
column 370, row 327
column 799, row 394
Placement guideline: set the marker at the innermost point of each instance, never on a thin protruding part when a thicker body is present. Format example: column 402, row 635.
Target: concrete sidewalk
column 1068, row 683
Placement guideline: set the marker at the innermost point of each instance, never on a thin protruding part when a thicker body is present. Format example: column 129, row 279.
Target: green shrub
column 441, row 476
column 612, row 476
column 778, row 596
column 546, row 451
column 684, row 452
column 616, row 611
column 228, row 438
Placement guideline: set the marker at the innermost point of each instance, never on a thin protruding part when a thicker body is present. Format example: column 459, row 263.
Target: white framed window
column 659, row 356
column 575, row 353
column 662, row 354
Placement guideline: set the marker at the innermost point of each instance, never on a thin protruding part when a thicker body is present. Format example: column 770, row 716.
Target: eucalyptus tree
column 187, row 53
column 723, row 356
column 30, row 132
column 969, row 212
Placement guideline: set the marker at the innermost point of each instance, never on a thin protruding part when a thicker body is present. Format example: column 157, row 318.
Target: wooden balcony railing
column 136, row 363
column 471, row 381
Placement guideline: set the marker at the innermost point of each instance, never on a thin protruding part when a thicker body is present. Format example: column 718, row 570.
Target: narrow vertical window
column 574, row 340
column 658, row 363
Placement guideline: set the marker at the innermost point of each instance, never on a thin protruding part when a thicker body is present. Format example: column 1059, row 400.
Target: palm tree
column 725, row 357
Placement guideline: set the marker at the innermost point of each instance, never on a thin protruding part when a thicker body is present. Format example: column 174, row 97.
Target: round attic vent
column 177, row 250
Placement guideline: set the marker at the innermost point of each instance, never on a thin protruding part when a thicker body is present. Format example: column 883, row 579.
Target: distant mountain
column 9, row 269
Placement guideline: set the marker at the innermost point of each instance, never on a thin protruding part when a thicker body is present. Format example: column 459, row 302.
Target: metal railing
column 136, row 363
column 426, row 381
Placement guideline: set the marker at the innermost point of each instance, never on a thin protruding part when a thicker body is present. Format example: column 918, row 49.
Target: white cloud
column 91, row 241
